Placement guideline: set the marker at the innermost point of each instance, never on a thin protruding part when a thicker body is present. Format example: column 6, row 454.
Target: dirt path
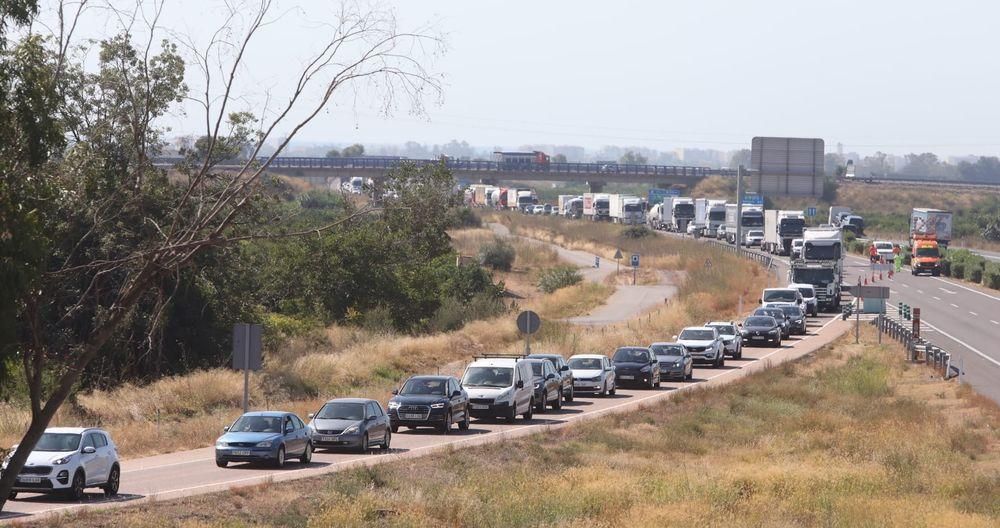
column 626, row 303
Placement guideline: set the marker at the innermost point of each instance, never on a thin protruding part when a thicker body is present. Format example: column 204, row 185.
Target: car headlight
column 265, row 443
column 220, row 444
column 677, row 363
column 63, row 460
column 773, row 331
column 352, row 429
column 503, row 397
column 394, row 405
column 538, row 385
column 439, row 405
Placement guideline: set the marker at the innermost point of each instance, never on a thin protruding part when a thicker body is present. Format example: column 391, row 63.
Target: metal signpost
column 618, row 261
column 916, row 323
column 247, row 354
column 528, row 323
column 810, row 212
column 635, row 266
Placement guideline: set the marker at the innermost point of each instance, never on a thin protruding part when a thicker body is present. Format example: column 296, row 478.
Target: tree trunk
column 31, row 436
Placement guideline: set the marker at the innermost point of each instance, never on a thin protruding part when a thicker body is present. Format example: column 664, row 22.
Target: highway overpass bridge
column 330, row 171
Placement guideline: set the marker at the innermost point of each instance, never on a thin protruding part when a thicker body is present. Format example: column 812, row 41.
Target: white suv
column 704, row 343
column 500, row 387
column 69, row 460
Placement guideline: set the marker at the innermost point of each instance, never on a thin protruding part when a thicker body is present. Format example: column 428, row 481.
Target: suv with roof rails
column 732, row 340
column 68, row 460
column 500, row 386
column 704, row 344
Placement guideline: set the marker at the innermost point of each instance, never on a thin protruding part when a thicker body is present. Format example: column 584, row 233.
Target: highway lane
column 185, row 473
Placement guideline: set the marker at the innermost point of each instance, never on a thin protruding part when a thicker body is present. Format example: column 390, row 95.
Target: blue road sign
column 635, row 260
column 753, row 199
column 810, row 211
column 657, row 195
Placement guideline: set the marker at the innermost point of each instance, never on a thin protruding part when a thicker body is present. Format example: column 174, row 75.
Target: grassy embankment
column 848, row 436
column 184, row 412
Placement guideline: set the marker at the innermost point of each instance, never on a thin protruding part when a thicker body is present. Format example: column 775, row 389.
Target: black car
column 779, row 316
column 430, row 401
column 547, row 383
column 562, row 368
column 759, row 329
column 636, row 366
column 796, row 318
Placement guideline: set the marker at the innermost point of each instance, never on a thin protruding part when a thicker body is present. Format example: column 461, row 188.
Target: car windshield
column 585, row 364
column 759, row 321
column 257, row 424
column 807, row 292
column 756, row 233
column 631, row 355
column 791, row 310
column 927, row 252
column 771, row 312
column 698, row 335
column 725, row 329
column 488, row 377
column 668, row 350
column 884, row 245
column 58, row 442
column 434, row 387
column 797, row 242
column 342, row 411
column 780, row 296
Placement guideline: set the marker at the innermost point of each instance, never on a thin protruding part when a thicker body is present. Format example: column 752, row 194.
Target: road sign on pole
column 635, row 267
column 528, row 323
column 810, row 211
column 618, row 261
column 247, row 354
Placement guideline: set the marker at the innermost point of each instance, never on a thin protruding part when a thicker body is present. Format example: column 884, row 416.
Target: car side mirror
column 395, row 392
column 519, row 384
column 456, row 393
column 225, row 429
column 564, row 368
column 652, row 361
column 89, row 450
column 289, row 429
column 675, row 338
column 798, row 301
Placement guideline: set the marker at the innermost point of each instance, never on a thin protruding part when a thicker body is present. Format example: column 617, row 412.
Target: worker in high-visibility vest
column 897, row 257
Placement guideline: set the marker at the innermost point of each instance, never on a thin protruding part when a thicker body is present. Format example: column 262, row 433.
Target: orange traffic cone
column 866, row 281
column 890, row 274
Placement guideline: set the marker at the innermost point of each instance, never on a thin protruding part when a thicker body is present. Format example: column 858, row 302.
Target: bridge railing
column 918, row 349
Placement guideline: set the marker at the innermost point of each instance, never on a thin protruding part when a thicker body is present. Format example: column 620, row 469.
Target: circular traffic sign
column 528, row 322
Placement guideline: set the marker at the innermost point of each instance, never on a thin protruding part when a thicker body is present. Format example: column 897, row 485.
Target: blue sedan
column 265, row 436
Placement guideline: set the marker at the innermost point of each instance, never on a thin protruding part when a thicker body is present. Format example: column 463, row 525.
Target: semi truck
column 498, row 198
column 716, row 217
column 931, row 223
column 699, row 224
column 780, row 228
column 821, row 264
column 655, row 218
column 752, row 218
column 523, row 198
column 595, row 206
column 625, row 209
column 573, row 208
column 563, row 201
column 679, row 214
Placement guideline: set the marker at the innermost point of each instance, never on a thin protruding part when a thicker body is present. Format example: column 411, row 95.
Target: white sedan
column 593, row 373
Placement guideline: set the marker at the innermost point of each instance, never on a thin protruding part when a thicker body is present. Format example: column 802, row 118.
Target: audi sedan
column 761, row 329
column 430, row 401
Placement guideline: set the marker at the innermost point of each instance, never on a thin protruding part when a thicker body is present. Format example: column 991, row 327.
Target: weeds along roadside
column 351, row 361
column 847, row 436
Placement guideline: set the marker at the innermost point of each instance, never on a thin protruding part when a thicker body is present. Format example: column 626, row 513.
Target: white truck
column 573, row 208
column 595, row 206
column 654, row 218
column 716, row 217
column 931, row 224
column 821, row 264
column 699, row 224
column 523, row 198
column 625, row 209
column 681, row 212
column 752, row 218
column 563, row 201
column 780, row 228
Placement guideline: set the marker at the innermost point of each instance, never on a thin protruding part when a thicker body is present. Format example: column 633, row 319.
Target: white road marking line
column 947, row 291
column 936, row 298
column 922, row 292
column 906, row 285
column 963, row 343
column 953, row 305
column 974, row 313
column 994, row 322
column 973, row 290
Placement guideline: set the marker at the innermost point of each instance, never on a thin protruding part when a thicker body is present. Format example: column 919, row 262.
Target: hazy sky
column 897, row 76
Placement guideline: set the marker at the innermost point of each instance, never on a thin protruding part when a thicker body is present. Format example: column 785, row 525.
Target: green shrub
column 991, row 276
column 498, row 255
column 958, row 270
column 453, row 313
column 945, row 267
column 975, row 274
column 636, row 231
column 461, row 217
column 552, row 279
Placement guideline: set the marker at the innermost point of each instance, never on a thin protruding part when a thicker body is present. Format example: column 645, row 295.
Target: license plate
column 627, row 377
column 242, row 452
column 758, row 338
column 30, row 480
column 413, row 417
column 327, row 438
column 479, row 406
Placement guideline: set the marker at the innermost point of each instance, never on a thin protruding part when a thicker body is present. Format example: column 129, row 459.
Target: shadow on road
column 290, row 465
column 428, row 431
column 88, row 498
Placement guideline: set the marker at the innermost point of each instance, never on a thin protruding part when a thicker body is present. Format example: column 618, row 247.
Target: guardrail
column 761, row 258
column 917, row 348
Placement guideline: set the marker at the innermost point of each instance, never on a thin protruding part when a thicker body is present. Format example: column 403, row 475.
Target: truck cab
column 925, row 256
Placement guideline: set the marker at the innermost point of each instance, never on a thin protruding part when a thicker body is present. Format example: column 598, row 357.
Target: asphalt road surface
column 186, row 473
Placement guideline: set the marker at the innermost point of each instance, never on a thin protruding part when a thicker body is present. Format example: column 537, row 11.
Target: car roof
column 350, row 400
column 588, row 356
column 720, row 323
column 268, row 413
column 768, row 316
column 801, row 285
column 781, row 288
column 71, row 430
column 665, row 343
column 544, row 356
column 508, row 362
column 429, row 377
column 698, row 328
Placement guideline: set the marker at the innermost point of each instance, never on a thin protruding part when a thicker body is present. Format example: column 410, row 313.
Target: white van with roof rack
column 499, row 386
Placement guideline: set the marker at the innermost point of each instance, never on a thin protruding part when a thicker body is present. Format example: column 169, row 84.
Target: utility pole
column 739, row 206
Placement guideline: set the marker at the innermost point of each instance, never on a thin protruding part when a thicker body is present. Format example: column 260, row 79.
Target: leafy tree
column 558, row 158
column 354, row 151
column 632, row 157
column 333, row 153
column 740, row 157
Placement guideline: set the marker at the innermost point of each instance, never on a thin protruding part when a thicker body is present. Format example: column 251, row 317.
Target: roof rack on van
column 494, row 356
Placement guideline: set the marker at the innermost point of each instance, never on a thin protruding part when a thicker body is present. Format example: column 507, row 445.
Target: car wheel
column 558, row 403
column 465, row 423
column 445, row 427
column 364, row 444
column 307, row 454
column 614, row 388
column 604, row 391
column 77, row 487
column 114, row 478
column 540, row 405
column 12, row 495
column 530, row 413
column 386, row 441
column 571, row 395
column 279, row 461
column 739, row 352
column 394, row 428
column 659, row 380
column 221, row 463
column 652, row 382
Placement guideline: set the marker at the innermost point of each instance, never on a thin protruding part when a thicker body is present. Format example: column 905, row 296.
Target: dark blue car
column 265, row 436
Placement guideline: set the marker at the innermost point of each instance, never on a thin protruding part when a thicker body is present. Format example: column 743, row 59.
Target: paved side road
column 194, row 472
column 627, row 302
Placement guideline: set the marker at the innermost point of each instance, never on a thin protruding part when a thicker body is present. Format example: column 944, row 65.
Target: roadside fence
column 918, row 349
column 761, row 258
